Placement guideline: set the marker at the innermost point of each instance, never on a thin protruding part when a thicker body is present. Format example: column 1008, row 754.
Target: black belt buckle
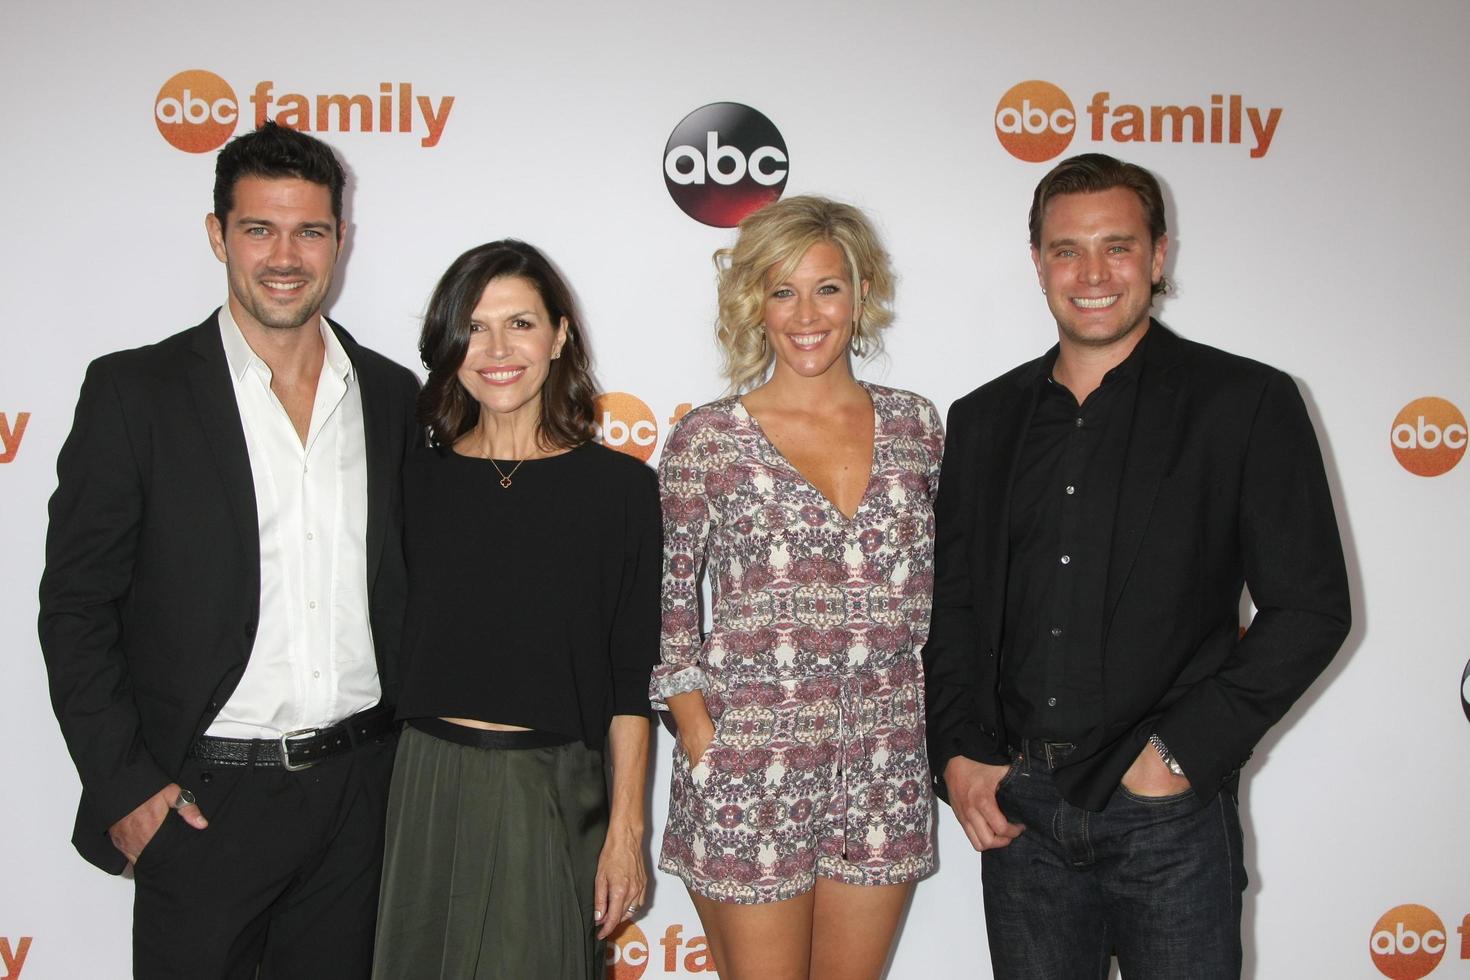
column 286, row 739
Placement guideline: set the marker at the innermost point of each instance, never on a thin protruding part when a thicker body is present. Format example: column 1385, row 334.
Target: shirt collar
column 1129, row 370
column 240, row 356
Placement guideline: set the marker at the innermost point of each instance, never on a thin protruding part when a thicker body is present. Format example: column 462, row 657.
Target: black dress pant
column 283, row 881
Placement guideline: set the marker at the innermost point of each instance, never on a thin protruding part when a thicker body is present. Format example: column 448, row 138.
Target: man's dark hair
column 274, row 151
column 445, row 408
column 1089, row 173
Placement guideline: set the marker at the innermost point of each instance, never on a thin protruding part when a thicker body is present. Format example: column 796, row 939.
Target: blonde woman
column 800, row 810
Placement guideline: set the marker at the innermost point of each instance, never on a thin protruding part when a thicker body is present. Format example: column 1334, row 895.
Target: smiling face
column 809, row 315
column 1097, row 266
column 279, row 245
column 512, row 343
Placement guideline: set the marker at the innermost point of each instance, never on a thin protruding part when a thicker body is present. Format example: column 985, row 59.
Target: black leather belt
column 297, row 750
column 1040, row 752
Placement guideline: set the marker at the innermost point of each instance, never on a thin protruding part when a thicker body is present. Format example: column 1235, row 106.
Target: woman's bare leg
column 853, row 927
column 772, row 941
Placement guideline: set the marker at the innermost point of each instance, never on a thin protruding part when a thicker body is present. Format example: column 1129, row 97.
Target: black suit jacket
column 151, row 592
column 1222, row 486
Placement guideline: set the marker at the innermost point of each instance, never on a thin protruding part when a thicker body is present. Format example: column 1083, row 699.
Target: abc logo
column 196, row 111
column 1407, row 942
column 1428, row 436
column 627, row 953
column 1465, row 690
column 723, row 161
column 624, row 423
column 1035, row 121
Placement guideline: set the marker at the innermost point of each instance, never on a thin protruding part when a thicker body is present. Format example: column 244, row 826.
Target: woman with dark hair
column 532, row 626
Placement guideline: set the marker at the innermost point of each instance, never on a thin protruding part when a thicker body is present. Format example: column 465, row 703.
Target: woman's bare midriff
column 488, row 726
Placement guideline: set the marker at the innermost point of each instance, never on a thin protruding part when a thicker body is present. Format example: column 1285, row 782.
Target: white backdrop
column 1335, row 255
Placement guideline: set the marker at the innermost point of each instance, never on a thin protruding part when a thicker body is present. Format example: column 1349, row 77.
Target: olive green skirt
column 490, row 861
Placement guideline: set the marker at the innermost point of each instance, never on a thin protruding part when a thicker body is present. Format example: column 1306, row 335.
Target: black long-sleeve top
column 535, row 604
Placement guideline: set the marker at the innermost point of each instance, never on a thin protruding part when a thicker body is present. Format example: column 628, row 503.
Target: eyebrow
column 1110, row 239
column 824, row 279
column 510, row 316
column 246, row 219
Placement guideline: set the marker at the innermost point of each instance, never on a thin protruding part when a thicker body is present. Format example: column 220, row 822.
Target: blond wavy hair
column 769, row 247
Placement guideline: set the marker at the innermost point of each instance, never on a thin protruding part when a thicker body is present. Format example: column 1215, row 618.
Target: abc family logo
column 13, row 957
column 629, row 953
column 12, row 431
column 723, row 161
column 197, row 111
column 626, row 423
column 1035, row 121
column 1429, row 436
column 1409, row 941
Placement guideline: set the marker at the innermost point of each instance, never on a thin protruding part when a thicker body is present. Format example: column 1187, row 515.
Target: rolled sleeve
column 686, row 529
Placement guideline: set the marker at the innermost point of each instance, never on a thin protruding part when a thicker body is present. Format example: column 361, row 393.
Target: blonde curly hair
column 769, row 247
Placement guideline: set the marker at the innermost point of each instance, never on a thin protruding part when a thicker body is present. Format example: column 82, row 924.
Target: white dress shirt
column 312, row 664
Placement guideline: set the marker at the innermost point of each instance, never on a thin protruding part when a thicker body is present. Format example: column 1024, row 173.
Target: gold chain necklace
column 504, row 476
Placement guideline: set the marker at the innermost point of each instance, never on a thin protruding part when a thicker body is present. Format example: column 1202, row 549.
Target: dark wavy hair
column 444, row 407
column 274, row 151
column 1090, row 173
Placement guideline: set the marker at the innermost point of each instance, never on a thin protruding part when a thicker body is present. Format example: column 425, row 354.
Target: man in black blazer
column 223, row 597
column 1091, row 695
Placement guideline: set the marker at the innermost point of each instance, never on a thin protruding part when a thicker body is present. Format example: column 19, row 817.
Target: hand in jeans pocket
column 1149, row 777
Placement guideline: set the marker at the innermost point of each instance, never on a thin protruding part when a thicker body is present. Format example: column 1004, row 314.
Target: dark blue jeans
column 1158, row 881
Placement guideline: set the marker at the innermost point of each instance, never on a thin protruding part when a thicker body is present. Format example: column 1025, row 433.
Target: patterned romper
column 811, row 671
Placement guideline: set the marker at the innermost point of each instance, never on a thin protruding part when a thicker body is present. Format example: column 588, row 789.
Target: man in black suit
column 223, row 596
column 1091, row 696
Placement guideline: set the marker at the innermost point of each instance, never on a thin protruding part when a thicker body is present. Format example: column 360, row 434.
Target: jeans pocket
column 1128, row 794
column 1010, row 774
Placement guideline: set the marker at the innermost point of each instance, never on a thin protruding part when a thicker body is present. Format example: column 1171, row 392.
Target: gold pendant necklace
column 504, row 476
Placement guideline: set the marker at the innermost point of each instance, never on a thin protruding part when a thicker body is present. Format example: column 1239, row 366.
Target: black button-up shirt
column 1063, row 504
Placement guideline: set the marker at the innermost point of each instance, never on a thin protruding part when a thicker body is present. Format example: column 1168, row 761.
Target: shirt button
column 1051, row 702
column 1066, row 560
column 1070, row 491
column 311, row 604
column 1056, row 631
column 310, row 536
column 316, row 673
column 1079, row 421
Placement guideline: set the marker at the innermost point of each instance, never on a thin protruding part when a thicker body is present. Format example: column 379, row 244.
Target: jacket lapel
column 1011, row 422
column 1156, row 426
column 382, row 466
column 224, row 436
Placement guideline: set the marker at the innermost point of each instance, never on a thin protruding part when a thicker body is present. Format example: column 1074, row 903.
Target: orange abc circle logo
column 627, row 953
column 1407, row 943
column 625, row 423
column 196, row 111
column 1429, row 436
column 1035, row 121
